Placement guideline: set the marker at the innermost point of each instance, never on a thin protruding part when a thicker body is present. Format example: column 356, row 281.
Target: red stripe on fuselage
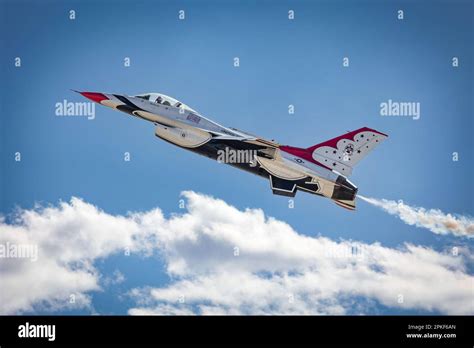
column 302, row 153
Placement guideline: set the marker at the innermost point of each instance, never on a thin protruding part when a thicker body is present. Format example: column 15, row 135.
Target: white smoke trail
column 433, row 219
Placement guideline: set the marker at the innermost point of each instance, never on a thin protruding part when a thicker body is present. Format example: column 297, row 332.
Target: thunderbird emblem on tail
column 321, row 169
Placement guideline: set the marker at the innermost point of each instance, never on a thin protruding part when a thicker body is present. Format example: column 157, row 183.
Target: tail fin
column 345, row 151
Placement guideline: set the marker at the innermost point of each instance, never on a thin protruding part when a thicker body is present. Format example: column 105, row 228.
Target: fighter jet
column 322, row 169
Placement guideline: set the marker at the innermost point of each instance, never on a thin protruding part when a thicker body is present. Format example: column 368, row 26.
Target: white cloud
column 69, row 238
column 276, row 270
column 432, row 219
column 115, row 278
column 281, row 271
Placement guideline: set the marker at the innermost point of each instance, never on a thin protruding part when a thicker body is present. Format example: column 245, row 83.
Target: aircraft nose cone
column 97, row 97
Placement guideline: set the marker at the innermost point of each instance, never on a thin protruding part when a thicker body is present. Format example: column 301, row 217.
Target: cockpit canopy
column 164, row 100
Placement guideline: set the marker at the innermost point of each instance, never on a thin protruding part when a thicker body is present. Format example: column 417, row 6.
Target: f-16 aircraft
column 321, row 169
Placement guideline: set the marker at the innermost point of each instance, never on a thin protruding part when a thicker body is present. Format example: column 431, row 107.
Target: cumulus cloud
column 432, row 219
column 228, row 261
column 69, row 238
column 222, row 260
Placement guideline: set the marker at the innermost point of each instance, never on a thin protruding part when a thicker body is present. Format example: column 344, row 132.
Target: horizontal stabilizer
column 346, row 204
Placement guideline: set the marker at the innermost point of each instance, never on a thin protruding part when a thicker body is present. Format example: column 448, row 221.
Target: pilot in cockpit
column 159, row 100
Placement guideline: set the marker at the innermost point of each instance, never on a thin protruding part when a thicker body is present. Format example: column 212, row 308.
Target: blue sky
column 282, row 62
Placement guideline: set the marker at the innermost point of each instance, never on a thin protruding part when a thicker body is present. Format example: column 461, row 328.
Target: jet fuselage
column 317, row 170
